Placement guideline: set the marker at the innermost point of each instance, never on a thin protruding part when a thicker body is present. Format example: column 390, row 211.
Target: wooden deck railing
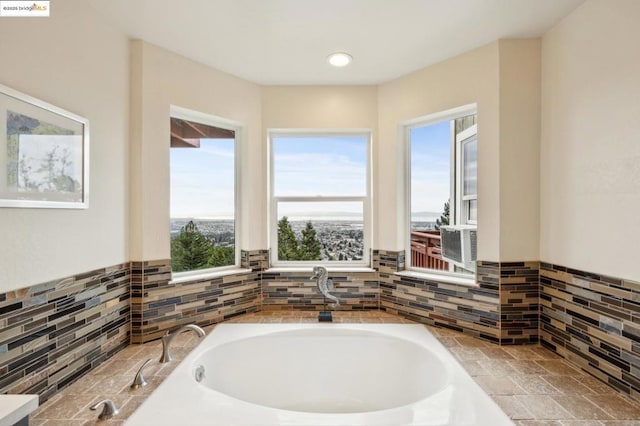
column 426, row 251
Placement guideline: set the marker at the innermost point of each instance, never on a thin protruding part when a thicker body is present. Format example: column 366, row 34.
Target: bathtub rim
column 486, row 411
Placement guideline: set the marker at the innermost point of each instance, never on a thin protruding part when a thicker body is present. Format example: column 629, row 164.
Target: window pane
column 320, row 165
column 320, row 231
column 472, row 210
column 430, row 150
column 430, row 175
column 202, row 205
column 470, row 166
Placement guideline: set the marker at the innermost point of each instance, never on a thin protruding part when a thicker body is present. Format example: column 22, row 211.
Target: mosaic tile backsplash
column 594, row 321
column 473, row 310
column 159, row 305
column 53, row 333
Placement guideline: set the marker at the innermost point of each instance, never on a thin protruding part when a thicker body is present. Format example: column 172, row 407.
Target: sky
column 310, row 166
column 202, row 179
column 430, row 167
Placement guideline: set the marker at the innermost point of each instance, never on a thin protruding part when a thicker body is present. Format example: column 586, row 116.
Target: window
column 467, row 141
column 443, row 185
column 203, row 195
column 320, row 202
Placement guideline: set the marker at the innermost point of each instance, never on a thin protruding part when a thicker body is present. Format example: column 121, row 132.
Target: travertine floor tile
column 534, row 386
column 566, row 385
column 496, row 353
column 464, row 353
column 522, row 352
column 110, row 385
column 497, row 367
column 543, row 407
column 498, row 385
column 596, row 386
column 526, row 367
column 64, row 408
column 616, row 406
column 512, row 407
column 558, row 367
column 581, row 408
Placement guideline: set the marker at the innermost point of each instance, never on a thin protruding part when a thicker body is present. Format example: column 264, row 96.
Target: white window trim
column 238, row 129
column 404, row 132
column 462, row 138
column 274, row 200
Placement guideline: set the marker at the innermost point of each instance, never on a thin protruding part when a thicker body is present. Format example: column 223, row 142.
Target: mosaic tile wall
column 471, row 310
column 519, row 296
column 594, row 321
column 159, row 305
column 295, row 290
column 53, row 333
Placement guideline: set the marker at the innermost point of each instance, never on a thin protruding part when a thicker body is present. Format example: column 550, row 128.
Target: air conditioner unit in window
column 459, row 245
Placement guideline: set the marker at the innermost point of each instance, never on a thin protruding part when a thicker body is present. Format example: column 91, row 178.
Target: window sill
column 442, row 278
column 208, row 275
column 309, row 269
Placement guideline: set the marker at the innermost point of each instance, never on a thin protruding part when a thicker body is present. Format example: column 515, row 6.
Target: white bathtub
column 319, row 374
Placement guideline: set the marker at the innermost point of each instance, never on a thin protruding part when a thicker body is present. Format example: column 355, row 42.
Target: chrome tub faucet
column 168, row 338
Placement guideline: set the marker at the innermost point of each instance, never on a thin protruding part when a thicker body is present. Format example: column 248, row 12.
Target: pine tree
column 221, row 256
column 190, row 250
column 309, row 245
column 444, row 217
column 287, row 242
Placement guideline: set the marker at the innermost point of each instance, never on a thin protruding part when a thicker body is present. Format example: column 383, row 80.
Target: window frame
column 468, row 135
column 274, row 200
column 455, row 185
column 238, row 129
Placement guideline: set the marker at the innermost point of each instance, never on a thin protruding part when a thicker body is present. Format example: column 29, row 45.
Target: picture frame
column 44, row 154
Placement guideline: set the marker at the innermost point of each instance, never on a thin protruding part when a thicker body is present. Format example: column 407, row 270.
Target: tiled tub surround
column 594, row 321
column 473, row 310
column 53, row 333
column 534, row 386
column 159, row 305
column 295, row 290
column 519, row 302
column 502, row 308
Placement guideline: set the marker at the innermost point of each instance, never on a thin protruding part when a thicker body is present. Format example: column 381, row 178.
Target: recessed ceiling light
column 340, row 59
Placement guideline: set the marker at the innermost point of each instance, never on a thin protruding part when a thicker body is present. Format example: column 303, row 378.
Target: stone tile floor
column 533, row 386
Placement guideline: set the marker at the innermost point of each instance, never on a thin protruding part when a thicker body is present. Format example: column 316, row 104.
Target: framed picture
column 44, row 154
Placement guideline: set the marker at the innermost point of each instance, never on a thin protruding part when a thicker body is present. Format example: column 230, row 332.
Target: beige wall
column 470, row 78
column 162, row 79
column 586, row 173
column 519, row 150
column 590, row 150
column 73, row 60
column 324, row 107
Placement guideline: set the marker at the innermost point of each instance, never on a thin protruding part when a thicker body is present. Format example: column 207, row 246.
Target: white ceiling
column 287, row 41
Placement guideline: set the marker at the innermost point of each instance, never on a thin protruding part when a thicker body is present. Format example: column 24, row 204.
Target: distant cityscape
column 339, row 239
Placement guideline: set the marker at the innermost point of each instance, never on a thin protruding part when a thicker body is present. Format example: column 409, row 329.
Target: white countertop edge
column 14, row 408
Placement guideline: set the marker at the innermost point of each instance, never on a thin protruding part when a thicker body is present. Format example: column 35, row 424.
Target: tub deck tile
column 534, row 386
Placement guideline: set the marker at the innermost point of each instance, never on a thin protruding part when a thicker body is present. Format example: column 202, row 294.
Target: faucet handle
column 139, row 381
column 108, row 411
